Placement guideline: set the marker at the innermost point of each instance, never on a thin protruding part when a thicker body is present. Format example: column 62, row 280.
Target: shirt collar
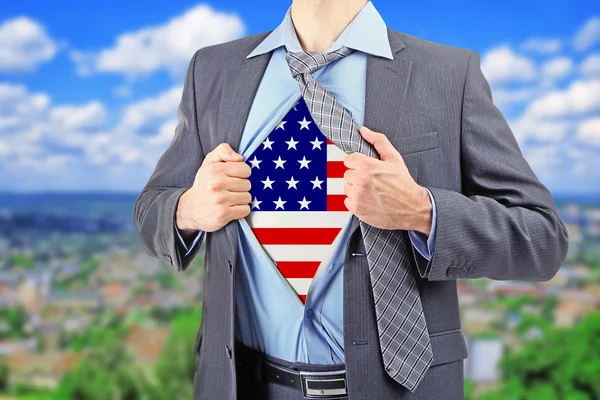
column 367, row 32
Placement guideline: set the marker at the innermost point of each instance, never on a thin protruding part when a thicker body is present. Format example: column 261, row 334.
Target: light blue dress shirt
column 270, row 316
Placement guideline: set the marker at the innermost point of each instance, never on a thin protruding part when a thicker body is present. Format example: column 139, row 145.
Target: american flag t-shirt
column 297, row 189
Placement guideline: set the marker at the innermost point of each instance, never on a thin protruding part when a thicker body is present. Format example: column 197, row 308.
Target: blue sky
column 89, row 91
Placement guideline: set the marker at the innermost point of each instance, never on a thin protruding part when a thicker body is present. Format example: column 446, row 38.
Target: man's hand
column 382, row 192
column 220, row 192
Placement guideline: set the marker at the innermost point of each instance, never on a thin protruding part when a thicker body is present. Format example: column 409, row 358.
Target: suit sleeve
column 505, row 224
column 425, row 245
column 155, row 206
column 197, row 238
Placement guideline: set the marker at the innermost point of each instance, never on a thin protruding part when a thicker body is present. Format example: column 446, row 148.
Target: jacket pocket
column 448, row 346
column 416, row 143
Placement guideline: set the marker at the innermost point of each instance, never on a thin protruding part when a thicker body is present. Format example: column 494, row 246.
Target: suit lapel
column 240, row 84
column 386, row 87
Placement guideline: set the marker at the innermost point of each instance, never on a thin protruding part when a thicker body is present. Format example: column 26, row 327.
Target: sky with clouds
column 89, row 90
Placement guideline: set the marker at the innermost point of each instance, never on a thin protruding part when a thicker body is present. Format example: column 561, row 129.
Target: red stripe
column 303, row 298
column 298, row 269
column 336, row 169
column 296, row 235
column 335, row 202
column 329, row 141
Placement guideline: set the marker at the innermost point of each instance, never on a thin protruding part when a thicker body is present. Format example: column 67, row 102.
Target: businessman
column 344, row 175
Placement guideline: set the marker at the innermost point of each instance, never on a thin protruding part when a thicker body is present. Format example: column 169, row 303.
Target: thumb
column 223, row 152
column 380, row 142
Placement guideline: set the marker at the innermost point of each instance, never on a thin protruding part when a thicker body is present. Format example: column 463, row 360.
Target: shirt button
column 310, row 313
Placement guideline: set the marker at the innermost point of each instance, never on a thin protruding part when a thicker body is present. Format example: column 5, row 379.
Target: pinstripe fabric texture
column 403, row 334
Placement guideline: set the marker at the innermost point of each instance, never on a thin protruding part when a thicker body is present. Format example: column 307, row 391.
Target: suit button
column 310, row 313
column 228, row 350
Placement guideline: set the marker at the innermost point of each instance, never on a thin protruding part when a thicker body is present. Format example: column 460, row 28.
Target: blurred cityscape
column 86, row 314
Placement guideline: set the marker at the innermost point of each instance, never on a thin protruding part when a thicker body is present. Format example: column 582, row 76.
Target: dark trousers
column 249, row 389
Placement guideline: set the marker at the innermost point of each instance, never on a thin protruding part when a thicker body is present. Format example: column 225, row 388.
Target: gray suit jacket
column 494, row 217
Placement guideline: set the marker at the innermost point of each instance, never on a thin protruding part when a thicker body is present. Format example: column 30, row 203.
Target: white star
column 256, row 203
column 280, row 125
column 279, row 203
column 316, row 183
column 267, row 143
column 292, row 143
column 304, row 162
column 255, row 163
column 304, row 203
column 291, row 183
column 279, row 162
column 268, row 183
column 304, row 123
column 316, row 143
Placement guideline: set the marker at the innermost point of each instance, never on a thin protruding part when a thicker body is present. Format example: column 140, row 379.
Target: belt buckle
column 323, row 393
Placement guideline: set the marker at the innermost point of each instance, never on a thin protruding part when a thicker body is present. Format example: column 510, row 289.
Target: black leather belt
column 253, row 365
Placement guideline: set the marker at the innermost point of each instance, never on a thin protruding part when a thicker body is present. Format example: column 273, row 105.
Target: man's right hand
column 220, row 192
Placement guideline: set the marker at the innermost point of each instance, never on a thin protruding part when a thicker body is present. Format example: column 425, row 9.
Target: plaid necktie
column 403, row 334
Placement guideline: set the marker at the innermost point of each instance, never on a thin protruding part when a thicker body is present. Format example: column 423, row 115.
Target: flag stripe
column 335, row 186
column 300, row 285
column 293, row 269
column 303, row 252
column 334, row 153
column 336, row 169
column 312, row 219
column 296, row 235
column 335, row 202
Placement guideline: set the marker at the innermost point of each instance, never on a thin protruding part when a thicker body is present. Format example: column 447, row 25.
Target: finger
column 381, row 143
column 239, row 211
column 223, row 152
column 349, row 190
column 348, row 204
column 238, row 198
column 349, row 175
column 237, row 169
column 355, row 160
column 237, row 184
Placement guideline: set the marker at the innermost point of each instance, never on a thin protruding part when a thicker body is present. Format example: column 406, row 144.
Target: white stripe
column 300, row 252
column 334, row 153
column 335, row 185
column 304, row 219
column 300, row 285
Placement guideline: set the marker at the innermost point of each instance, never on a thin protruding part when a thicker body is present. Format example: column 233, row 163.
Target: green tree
column 4, row 375
column 175, row 369
column 563, row 364
column 107, row 372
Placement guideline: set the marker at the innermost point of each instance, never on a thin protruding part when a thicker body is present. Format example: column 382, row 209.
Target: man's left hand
column 382, row 192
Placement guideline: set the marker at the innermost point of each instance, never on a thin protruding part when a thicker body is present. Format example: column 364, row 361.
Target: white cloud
column 502, row 64
column 91, row 115
column 45, row 139
column 591, row 65
column 557, row 68
column 588, row 35
column 150, row 110
column 542, row 46
column 169, row 46
column 543, row 158
column 24, row 44
column 508, row 97
column 580, row 98
column 541, row 130
column 589, row 131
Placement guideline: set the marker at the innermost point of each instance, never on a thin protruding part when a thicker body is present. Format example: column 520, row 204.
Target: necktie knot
column 308, row 62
